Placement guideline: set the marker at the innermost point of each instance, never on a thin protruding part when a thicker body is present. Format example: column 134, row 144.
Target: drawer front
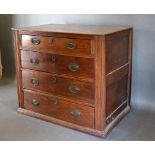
column 57, row 64
column 64, row 44
column 69, row 88
column 58, row 108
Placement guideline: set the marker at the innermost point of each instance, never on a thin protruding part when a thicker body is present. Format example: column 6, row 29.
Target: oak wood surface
column 58, row 85
column 116, row 94
column 18, row 66
column 76, row 29
column 130, row 66
column 58, row 64
column 118, row 70
column 116, row 50
column 102, row 84
column 61, row 109
column 55, row 43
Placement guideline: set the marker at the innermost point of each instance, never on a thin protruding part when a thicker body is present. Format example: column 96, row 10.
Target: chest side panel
column 117, row 73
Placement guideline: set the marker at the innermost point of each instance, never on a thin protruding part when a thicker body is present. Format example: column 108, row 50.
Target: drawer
column 58, row 64
column 69, row 46
column 69, row 88
column 60, row 109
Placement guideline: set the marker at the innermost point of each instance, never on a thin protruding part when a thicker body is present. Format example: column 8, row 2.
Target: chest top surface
column 76, row 29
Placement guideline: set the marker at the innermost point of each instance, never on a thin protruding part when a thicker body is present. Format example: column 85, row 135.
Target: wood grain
column 61, row 86
column 100, row 89
column 76, row 29
column 100, row 83
column 18, row 66
column 116, row 94
column 116, row 50
column 54, row 42
column 57, row 64
column 130, row 66
column 61, row 109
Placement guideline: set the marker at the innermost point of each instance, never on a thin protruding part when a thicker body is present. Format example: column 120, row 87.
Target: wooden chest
column 73, row 75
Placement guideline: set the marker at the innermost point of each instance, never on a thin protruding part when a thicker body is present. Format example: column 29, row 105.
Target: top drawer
column 62, row 44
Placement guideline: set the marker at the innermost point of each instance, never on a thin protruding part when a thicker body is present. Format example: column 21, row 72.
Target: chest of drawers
column 73, row 75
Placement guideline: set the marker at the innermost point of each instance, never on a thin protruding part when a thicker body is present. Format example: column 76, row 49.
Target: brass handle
column 35, row 41
column 71, row 45
column 53, row 58
column 34, row 61
column 73, row 67
column 35, row 102
column 55, row 101
column 35, row 82
column 74, row 90
column 54, row 79
column 75, row 113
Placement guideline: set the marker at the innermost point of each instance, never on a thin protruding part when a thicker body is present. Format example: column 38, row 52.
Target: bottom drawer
column 60, row 109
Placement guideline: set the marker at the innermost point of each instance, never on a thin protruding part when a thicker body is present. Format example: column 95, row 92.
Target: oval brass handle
column 53, row 58
column 75, row 113
column 74, row 90
column 55, row 101
column 35, row 82
column 73, row 67
column 35, row 102
column 35, row 41
column 34, row 61
column 71, row 45
column 54, row 79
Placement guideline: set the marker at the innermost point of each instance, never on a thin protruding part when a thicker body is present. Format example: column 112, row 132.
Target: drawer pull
column 34, row 61
column 52, row 41
column 53, row 58
column 53, row 79
column 71, row 45
column 75, row 113
column 55, row 102
column 73, row 67
column 35, row 41
column 35, row 82
column 74, row 90
column 35, row 102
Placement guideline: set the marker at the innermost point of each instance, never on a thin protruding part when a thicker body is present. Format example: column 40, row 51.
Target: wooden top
column 76, row 29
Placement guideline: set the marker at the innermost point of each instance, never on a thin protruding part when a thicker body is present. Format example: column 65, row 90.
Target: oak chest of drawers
column 73, row 75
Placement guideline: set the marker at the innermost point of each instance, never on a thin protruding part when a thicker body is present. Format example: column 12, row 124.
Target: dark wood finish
column 116, row 112
column 117, row 74
column 61, row 109
column 100, row 89
column 116, row 50
column 116, row 95
column 130, row 66
column 58, row 64
column 58, row 85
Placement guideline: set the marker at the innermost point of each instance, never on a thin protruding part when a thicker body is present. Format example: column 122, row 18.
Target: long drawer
column 58, row 64
column 68, row 45
column 58, row 108
column 69, row 88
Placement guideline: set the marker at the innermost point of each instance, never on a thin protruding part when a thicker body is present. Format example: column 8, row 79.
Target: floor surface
column 136, row 126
